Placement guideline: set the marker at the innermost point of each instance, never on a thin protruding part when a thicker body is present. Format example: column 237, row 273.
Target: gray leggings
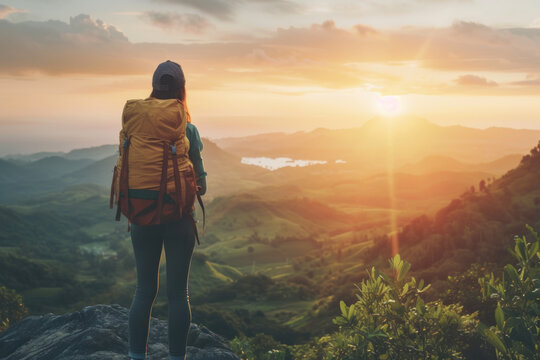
column 148, row 241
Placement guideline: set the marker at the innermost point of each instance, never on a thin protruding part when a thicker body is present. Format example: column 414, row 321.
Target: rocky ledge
column 99, row 332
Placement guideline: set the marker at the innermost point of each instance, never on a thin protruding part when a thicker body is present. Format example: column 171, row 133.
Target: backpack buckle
column 173, row 149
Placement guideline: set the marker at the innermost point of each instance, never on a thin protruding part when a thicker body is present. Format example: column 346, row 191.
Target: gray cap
column 168, row 68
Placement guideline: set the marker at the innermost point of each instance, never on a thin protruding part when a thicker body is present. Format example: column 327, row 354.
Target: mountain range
column 418, row 147
column 403, row 140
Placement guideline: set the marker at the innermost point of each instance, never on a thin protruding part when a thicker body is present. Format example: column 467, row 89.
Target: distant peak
column 399, row 121
column 319, row 130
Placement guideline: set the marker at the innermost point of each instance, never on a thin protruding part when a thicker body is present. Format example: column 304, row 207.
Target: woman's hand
column 201, row 185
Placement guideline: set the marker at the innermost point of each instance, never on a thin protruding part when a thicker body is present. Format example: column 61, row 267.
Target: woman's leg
column 147, row 245
column 179, row 240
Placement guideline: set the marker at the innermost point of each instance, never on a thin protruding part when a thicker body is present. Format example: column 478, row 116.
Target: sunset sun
column 389, row 105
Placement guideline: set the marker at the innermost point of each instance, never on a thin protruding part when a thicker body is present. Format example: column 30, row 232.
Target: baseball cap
column 168, row 68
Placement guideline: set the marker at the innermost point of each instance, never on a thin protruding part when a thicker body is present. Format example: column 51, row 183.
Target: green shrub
column 516, row 335
column 259, row 347
column 390, row 320
column 11, row 307
column 463, row 288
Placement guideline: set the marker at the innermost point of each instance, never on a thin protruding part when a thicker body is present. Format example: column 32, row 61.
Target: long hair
column 175, row 91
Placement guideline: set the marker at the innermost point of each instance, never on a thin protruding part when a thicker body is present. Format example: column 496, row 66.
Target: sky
column 254, row 66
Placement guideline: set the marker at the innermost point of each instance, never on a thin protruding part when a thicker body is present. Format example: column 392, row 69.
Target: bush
column 390, row 320
column 516, row 335
column 464, row 289
column 11, row 307
column 260, row 347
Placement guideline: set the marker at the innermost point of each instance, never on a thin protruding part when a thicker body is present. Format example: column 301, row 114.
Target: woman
column 178, row 237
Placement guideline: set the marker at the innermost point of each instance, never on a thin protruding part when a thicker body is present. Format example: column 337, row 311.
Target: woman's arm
column 195, row 148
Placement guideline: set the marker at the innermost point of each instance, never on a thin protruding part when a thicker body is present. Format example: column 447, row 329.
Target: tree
column 482, row 185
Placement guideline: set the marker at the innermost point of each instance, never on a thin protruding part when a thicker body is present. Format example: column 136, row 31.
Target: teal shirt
column 195, row 148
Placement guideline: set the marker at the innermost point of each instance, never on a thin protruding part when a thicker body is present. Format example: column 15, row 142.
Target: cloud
column 225, row 9
column 222, row 9
column 473, row 80
column 364, row 30
column 322, row 54
column 189, row 23
column 6, row 10
column 529, row 82
column 277, row 5
column 535, row 23
column 84, row 45
column 395, row 7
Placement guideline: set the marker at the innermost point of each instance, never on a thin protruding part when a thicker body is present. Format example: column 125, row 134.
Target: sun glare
column 389, row 105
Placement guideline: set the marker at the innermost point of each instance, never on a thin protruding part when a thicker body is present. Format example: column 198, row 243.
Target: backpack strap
column 179, row 193
column 163, row 184
column 111, row 201
column 178, row 188
column 124, row 186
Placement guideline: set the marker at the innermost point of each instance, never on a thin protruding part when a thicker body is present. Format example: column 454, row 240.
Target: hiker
column 161, row 162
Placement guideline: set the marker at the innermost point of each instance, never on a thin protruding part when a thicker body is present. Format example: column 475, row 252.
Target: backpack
column 154, row 181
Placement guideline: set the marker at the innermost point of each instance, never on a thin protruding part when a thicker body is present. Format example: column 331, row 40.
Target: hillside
column 476, row 227
column 445, row 163
column 68, row 243
column 366, row 198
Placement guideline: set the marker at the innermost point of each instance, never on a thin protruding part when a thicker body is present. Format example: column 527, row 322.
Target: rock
column 99, row 332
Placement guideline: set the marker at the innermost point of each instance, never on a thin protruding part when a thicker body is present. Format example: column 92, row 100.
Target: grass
column 225, row 273
column 237, row 252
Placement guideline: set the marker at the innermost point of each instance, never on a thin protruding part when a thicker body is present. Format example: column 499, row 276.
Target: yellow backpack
column 154, row 181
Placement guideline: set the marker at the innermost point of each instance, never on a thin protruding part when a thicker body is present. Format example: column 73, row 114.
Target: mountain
column 20, row 180
column 98, row 172
column 99, row 332
column 92, row 153
column 33, row 156
column 373, row 145
column 11, row 172
column 55, row 166
column 445, row 163
column 365, row 151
